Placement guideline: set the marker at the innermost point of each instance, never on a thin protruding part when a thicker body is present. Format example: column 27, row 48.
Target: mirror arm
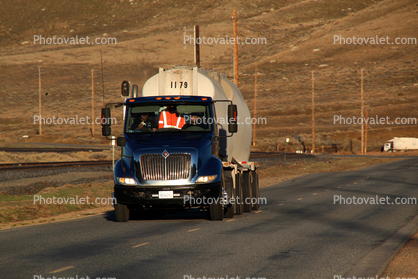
column 215, row 138
column 121, row 159
column 116, row 105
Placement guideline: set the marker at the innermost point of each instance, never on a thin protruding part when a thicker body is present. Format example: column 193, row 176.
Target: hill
column 300, row 38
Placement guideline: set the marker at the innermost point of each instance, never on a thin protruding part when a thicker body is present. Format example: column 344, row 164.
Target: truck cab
column 164, row 165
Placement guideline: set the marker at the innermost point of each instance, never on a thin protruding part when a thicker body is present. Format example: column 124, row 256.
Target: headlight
column 126, row 181
column 206, row 179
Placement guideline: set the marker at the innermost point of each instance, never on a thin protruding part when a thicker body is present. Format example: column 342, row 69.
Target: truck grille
column 156, row 167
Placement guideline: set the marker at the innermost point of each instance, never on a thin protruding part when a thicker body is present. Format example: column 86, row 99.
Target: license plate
column 165, row 194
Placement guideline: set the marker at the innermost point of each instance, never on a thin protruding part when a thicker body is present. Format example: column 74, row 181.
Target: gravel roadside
column 405, row 263
column 32, row 181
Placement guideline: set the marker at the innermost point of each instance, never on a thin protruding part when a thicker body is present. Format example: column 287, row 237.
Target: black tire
column 239, row 206
column 216, row 210
column 247, row 191
column 229, row 187
column 121, row 213
column 255, row 189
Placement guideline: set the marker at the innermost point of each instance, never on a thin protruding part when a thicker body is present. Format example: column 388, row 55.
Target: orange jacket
column 170, row 120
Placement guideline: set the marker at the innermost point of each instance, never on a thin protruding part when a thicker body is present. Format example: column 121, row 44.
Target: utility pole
column 313, row 112
column 362, row 115
column 236, row 77
column 40, row 102
column 196, row 46
column 101, row 62
column 255, row 103
column 365, row 137
column 92, row 102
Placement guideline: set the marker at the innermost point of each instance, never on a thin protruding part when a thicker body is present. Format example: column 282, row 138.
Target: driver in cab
column 195, row 120
column 145, row 125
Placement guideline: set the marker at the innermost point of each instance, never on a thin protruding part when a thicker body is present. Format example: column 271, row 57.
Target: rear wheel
column 121, row 213
column 229, row 187
column 247, row 191
column 255, row 189
column 238, row 196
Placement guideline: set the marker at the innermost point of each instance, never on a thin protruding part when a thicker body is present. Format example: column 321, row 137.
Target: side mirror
column 121, row 141
column 126, row 85
column 134, row 91
column 106, row 130
column 232, row 119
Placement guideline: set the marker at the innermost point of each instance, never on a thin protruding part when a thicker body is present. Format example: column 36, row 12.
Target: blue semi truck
column 186, row 144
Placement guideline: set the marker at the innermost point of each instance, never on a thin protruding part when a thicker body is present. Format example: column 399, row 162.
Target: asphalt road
column 300, row 233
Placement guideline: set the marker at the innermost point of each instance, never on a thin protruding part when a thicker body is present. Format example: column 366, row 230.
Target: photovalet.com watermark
column 84, row 120
column 234, row 200
column 368, row 277
column 54, row 40
column 220, row 277
column 69, row 277
column 221, row 120
column 339, row 119
column 39, row 199
column 376, row 40
column 190, row 39
column 376, row 200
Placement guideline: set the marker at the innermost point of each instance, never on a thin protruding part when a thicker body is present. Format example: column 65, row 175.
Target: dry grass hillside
column 300, row 39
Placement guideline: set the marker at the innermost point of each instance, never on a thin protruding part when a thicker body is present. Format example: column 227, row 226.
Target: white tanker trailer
column 186, row 144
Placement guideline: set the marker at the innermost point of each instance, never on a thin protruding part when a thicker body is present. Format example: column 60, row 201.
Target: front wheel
column 216, row 210
column 121, row 213
column 229, row 187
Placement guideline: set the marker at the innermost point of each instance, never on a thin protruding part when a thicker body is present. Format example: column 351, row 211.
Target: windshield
column 151, row 118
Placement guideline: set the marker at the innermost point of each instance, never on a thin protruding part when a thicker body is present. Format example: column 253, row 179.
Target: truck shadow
column 192, row 214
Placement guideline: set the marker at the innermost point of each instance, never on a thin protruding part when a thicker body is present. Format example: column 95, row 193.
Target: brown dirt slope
column 299, row 38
